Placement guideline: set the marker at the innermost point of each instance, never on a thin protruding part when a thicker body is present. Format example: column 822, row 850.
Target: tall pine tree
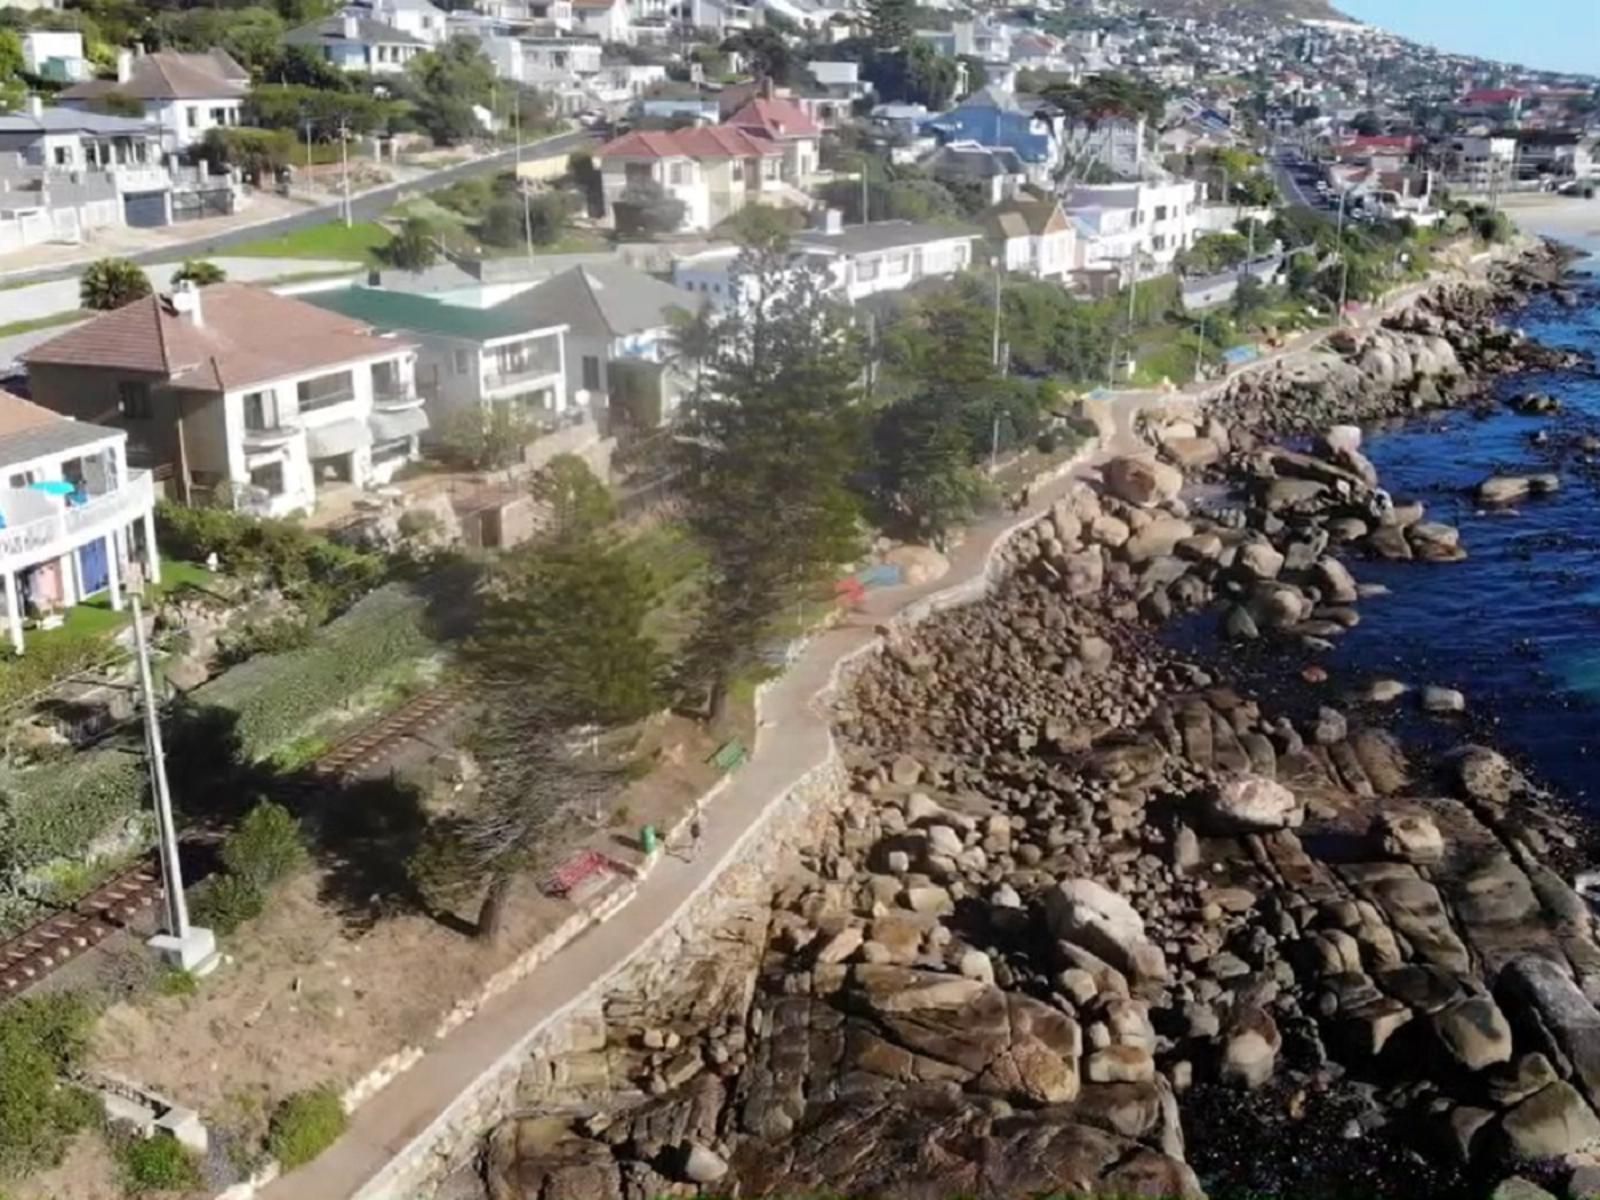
column 768, row 452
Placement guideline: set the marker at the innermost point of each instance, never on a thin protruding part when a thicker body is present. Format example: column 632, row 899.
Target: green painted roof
column 387, row 311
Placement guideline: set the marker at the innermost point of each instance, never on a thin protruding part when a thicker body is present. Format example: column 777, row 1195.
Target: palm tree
column 692, row 342
column 110, row 283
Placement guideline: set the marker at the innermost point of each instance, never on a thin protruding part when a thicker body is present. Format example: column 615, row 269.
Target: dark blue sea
column 1516, row 627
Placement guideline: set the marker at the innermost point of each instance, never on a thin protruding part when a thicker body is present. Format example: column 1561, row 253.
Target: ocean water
column 1516, row 626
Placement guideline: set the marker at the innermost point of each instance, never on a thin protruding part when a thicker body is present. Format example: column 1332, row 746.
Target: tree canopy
column 767, row 451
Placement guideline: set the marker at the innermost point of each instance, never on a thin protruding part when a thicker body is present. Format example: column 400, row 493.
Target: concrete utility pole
column 1199, row 346
column 185, row 946
column 994, row 349
column 1344, row 263
column 344, row 161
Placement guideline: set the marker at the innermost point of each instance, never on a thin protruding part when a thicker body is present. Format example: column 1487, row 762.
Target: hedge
column 59, row 809
column 277, row 696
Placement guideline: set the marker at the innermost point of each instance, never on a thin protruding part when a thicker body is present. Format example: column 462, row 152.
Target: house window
column 897, row 264
column 133, row 399
column 325, row 390
column 1159, row 242
column 219, row 116
column 22, row 480
column 866, row 270
column 268, row 478
column 260, row 411
column 678, row 174
column 591, row 373
column 191, row 116
column 63, row 156
column 463, row 361
column 1161, row 212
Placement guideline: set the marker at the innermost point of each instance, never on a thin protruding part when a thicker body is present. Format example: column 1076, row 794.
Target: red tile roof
column 775, row 117
column 1494, row 96
column 246, row 335
column 713, row 141
column 1382, row 142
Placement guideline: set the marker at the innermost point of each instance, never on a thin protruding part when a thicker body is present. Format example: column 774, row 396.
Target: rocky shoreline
column 1094, row 920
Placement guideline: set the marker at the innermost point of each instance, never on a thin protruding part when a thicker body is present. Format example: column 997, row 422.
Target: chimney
column 36, row 107
column 124, row 65
column 352, row 27
column 767, row 87
column 832, row 221
column 186, row 301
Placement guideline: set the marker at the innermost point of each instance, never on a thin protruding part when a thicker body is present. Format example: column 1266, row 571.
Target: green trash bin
column 647, row 839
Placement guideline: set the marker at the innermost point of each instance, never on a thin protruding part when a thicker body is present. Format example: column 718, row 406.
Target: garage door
column 145, row 210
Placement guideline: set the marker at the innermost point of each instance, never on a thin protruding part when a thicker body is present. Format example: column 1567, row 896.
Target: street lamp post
column 182, row 945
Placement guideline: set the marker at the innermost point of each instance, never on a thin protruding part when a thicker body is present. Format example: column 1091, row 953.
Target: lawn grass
column 332, row 239
column 32, row 323
column 94, row 620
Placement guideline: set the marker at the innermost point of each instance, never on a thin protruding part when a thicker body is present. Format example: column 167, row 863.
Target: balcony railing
column 392, row 397
column 269, row 437
column 60, row 532
column 519, row 374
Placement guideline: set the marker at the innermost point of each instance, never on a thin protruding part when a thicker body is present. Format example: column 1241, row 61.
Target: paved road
column 365, row 206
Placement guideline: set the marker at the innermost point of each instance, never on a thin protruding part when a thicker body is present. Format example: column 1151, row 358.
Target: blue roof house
column 993, row 118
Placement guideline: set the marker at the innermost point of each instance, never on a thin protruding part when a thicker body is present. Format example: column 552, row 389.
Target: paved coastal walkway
column 792, row 739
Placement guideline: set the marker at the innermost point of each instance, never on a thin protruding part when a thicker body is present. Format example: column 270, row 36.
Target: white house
column 422, row 20
column 183, row 94
column 352, row 42
column 1116, row 143
column 470, row 358
column 861, row 260
column 608, row 20
column 1134, row 226
column 240, row 395
column 55, row 54
column 1033, row 237
column 72, row 515
column 618, row 326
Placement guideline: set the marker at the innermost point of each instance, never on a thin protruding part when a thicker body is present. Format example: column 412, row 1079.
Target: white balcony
column 50, row 537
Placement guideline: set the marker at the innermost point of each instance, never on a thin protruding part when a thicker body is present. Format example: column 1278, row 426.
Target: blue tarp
column 882, row 575
column 1240, row 354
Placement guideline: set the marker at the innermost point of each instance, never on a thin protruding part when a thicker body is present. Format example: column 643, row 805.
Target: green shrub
column 48, row 660
column 40, row 1038
column 157, row 1164
column 323, row 576
column 276, row 636
column 275, row 697
column 56, row 810
column 224, row 902
column 304, row 1125
column 175, row 981
column 265, row 848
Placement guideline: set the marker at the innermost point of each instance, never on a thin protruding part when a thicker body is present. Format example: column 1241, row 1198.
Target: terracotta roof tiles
column 246, row 335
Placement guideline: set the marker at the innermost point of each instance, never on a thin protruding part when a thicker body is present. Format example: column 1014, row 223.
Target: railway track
column 35, row 954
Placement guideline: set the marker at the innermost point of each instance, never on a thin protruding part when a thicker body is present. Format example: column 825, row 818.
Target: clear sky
column 1556, row 35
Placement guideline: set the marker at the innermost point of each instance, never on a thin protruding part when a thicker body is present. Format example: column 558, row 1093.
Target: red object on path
column 578, row 869
column 851, row 592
